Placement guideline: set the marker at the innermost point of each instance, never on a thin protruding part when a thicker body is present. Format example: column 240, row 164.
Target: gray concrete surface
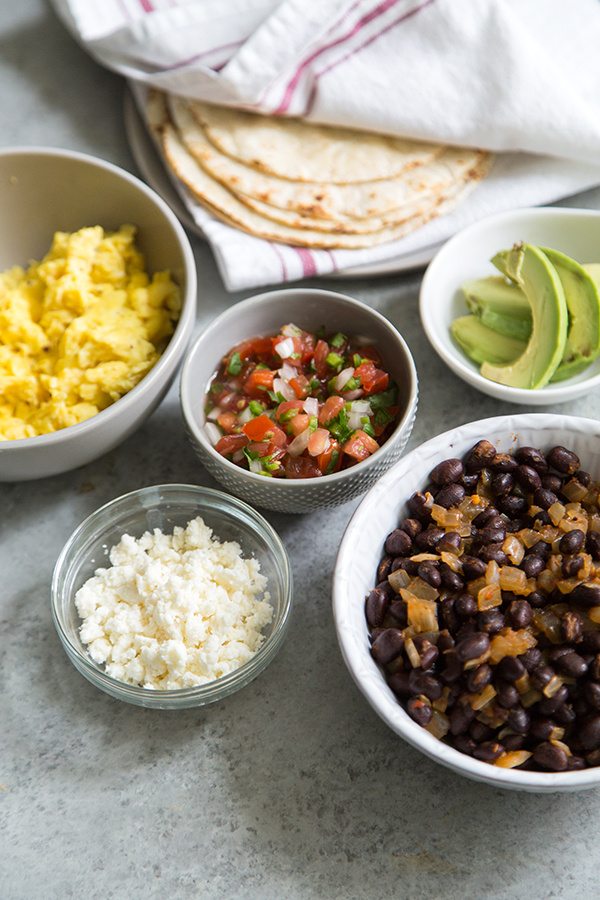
column 293, row 788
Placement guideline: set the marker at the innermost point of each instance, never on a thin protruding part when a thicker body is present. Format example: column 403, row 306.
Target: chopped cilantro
column 338, row 340
column 367, row 427
column 313, row 423
column 384, row 399
column 288, row 414
column 314, row 384
column 332, row 462
column 276, row 396
column 235, row 364
column 357, row 360
column 250, row 454
column 382, row 417
column 352, row 384
column 339, row 427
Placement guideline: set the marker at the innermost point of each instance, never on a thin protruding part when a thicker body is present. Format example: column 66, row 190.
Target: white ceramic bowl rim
column 456, row 360
column 218, row 684
column 380, row 697
column 188, row 396
column 188, row 309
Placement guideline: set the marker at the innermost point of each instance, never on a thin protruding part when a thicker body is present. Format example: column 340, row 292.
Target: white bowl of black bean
column 541, row 711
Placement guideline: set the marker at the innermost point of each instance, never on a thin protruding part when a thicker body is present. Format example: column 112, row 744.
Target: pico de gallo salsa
column 300, row 405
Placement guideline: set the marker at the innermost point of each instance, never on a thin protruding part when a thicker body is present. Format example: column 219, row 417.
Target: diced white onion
column 245, row 416
column 238, row 456
column 287, row 372
column 282, row 387
column 300, row 443
column 255, row 466
column 353, row 395
column 311, row 406
column 354, row 420
column 290, row 330
column 363, row 407
column 213, row 432
column 343, row 378
column 285, row 348
column 214, row 414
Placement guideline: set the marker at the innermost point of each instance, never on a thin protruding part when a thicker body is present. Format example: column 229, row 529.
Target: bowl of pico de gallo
column 299, row 399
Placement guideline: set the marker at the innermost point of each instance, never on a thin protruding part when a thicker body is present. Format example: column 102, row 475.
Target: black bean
column 480, row 456
column 384, row 568
column 544, row 498
column 466, row 629
column 550, row 757
column 473, row 646
column 541, row 676
column 589, row 733
column 491, row 621
column 552, row 483
column 452, row 668
column 488, row 751
column 464, row 744
column 450, row 495
column 541, row 728
column 574, row 763
column 428, row 539
column 549, row 705
column 532, row 565
column 542, row 518
column 510, row 668
column 572, row 541
column 451, row 542
column 571, row 567
column 399, row 612
column 448, row 616
column 563, row 460
column 591, row 693
column 540, row 549
column 460, row 718
column 411, row 526
column 586, row 595
column 421, row 682
column 537, row 600
column 409, row 565
column 473, row 567
column 592, row 544
column 399, row 684
column 520, row 614
column 556, row 652
column 531, row 659
column 428, row 653
column 465, row 606
column 479, row 731
column 519, row 719
column 485, row 516
column 583, row 478
column 450, row 579
column 492, row 533
column 513, row 741
column 493, row 553
column 376, row 607
column 398, row 543
column 419, row 711
column 388, row 646
column 572, row 664
column 447, row 472
column 528, row 478
column 469, row 482
column 507, row 695
column 419, row 507
column 428, row 572
column 478, row 678
column 504, row 462
column 530, row 456
column 565, row 714
column 445, row 641
column 512, row 505
column 502, row 484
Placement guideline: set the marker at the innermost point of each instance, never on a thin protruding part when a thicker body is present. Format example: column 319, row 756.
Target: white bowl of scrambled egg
column 97, row 304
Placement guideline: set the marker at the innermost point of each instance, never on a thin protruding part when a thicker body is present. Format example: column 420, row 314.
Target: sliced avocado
column 583, row 303
column 500, row 305
column 593, row 269
column 482, row 344
column 531, row 270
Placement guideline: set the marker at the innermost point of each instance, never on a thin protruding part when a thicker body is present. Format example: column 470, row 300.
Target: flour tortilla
column 382, row 203
column 302, row 151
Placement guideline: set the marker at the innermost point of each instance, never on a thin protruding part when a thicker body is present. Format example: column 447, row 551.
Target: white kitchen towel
column 517, row 76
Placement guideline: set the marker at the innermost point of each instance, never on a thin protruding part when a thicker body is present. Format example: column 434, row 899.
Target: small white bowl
column 264, row 315
column 467, row 255
column 362, row 548
column 46, row 190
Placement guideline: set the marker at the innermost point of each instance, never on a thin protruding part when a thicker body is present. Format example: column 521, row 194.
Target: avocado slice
column 483, row 344
column 500, row 305
column 530, row 269
column 593, row 270
column 581, row 293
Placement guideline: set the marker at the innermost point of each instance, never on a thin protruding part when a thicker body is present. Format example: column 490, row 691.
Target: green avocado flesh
column 529, row 268
column 500, row 305
column 483, row 344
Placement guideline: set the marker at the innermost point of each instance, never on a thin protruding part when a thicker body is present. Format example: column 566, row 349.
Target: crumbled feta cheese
column 174, row 610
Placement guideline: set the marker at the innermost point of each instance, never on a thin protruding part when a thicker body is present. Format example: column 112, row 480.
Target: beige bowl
column 43, row 191
column 263, row 315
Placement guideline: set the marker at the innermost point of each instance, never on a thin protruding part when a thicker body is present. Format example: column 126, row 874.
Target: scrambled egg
column 78, row 330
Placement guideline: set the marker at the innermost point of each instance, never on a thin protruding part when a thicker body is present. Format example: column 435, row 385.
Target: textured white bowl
column 263, row 315
column 43, row 191
column 362, row 548
column 467, row 255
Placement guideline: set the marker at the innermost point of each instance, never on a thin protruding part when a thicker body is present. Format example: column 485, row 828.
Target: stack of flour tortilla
column 308, row 185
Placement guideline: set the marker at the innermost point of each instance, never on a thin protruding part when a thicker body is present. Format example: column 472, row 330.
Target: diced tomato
column 360, row 445
column 373, row 380
column 228, row 422
column 320, row 355
column 230, row 444
column 391, row 411
column 289, row 408
column 261, row 428
column 330, row 409
column 299, row 385
column 298, row 424
column 370, row 352
column 301, row 467
column 306, row 346
column 256, row 347
column 326, row 458
column 318, row 442
column 259, row 381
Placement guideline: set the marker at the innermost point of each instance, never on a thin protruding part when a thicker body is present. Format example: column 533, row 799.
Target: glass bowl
column 165, row 506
